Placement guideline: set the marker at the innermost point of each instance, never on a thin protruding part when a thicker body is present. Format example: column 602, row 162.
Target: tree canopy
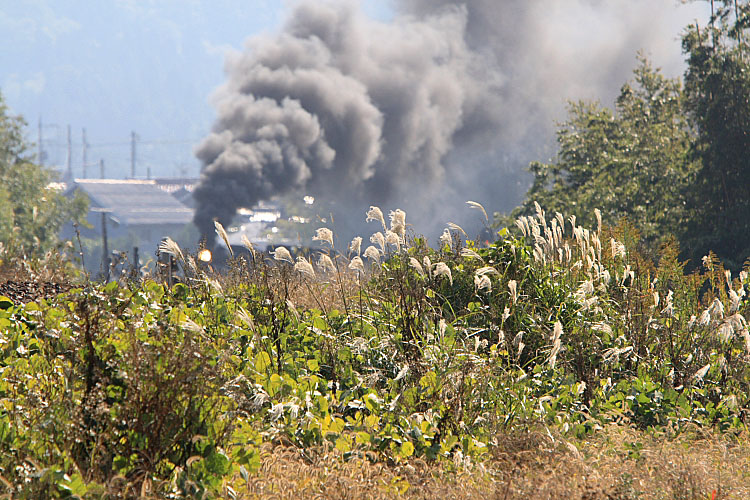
column 673, row 161
column 717, row 88
column 633, row 162
column 32, row 212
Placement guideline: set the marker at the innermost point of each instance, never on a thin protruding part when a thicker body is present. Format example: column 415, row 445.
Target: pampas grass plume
column 223, row 235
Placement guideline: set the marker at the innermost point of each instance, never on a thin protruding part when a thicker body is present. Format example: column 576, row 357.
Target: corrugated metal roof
column 134, row 202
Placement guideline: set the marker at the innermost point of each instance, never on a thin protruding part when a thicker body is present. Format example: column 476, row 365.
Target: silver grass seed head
column 379, row 240
column 483, row 282
column 372, row 253
column 356, row 245
column 513, row 288
column 356, row 264
column 223, row 235
column 442, row 269
column 325, row 235
column 478, row 206
column 304, row 267
column 446, row 239
column 374, row 213
column 392, row 238
column 398, row 222
column 281, row 254
column 416, row 265
column 455, row 227
column 325, row 263
column 469, row 253
column 169, row 246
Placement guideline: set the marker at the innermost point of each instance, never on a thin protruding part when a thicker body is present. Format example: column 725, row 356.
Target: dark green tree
column 632, row 162
column 717, row 88
column 32, row 211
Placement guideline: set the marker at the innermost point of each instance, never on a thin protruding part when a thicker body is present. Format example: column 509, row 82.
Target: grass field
column 556, row 363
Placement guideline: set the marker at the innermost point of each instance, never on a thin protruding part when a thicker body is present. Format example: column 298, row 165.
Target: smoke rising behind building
column 446, row 102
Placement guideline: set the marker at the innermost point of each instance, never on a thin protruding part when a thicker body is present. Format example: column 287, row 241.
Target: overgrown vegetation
column 392, row 354
column 671, row 160
column 584, row 346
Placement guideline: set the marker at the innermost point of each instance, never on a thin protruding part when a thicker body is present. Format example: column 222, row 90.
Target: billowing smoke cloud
column 447, row 102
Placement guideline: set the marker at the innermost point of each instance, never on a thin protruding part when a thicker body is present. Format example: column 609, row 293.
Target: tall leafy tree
column 717, row 87
column 633, row 161
column 32, row 212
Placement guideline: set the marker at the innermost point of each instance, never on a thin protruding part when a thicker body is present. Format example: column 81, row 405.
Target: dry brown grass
column 618, row 463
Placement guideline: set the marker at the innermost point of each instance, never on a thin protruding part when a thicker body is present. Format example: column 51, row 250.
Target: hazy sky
column 149, row 66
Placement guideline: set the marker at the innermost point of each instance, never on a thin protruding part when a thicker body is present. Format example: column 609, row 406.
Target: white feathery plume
column 356, row 245
column 169, row 246
column 556, row 343
column 245, row 316
column 442, row 325
column 191, row 264
column 191, row 326
column 324, row 234
column 456, row 227
column 292, row 308
column 560, row 221
column 416, row 265
column 282, row 254
column 304, row 267
column 735, row 301
column 698, row 376
column 325, row 263
column 446, row 238
column 398, row 222
column 598, row 215
column 402, row 372
column 356, row 264
column 427, row 264
column 483, row 282
column 392, row 238
column 478, row 206
column 540, row 213
column 705, row 318
column 518, row 342
column 512, row 286
column 725, row 332
column 247, row 244
column 716, row 309
column 223, row 235
column 379, row 240
column 482, row 271
column 442, row 269
column 521, row 224
column 468, row 252
column 372, row 253
column 215, row 285
column 376, row 214
column 276, row 412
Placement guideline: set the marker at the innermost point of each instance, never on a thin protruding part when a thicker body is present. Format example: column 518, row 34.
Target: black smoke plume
column 446, row 102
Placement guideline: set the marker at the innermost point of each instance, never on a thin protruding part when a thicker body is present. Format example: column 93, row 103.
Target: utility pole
column 105, row 249
column 84, row 150
column 39, row 157
column 101, row 168
column 133, row 138
column 69, row 160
